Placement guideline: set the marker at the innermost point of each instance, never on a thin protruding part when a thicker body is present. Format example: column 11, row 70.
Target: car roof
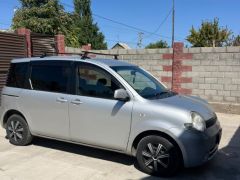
column 106, row 62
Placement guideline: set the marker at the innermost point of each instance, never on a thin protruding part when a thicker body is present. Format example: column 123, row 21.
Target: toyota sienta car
column 108, row 104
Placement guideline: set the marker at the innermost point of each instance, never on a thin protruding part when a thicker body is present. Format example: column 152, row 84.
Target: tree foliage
column 33, row 3
column 158, row 44
column 210, row 34
column 42, row 16
column 82, row 8
column 49, row 17
column 236, row 41
column 86, row 31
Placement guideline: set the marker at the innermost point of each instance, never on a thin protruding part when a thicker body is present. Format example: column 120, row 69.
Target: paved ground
column 48, row 159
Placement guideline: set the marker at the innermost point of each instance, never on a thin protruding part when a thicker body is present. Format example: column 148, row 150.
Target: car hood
column 188, row 103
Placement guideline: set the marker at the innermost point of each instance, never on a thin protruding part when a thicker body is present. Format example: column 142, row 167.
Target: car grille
column 211, row 122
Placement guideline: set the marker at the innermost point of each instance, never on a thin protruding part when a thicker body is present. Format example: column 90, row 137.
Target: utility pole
column 173, row 34
column 173, row 22
column 140, row 38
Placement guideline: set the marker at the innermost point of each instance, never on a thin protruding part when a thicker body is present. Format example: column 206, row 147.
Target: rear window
column 50, row 78
column 17, row 75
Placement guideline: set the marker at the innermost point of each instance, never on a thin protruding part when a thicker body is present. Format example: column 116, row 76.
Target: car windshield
column 142, row 82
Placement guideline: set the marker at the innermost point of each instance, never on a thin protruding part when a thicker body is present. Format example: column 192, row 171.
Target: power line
column 119, row 28
column 138, row 29
column 161, row 24
column 124, row 24
column 108, row 19
column 130, row 26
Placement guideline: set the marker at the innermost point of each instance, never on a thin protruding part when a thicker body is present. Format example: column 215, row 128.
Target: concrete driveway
column 49, row 159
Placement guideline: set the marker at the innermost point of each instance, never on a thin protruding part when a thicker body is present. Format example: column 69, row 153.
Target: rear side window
column 52, row 78
column 17, row 75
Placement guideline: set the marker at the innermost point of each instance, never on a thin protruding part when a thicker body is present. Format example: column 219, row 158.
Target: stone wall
column 215, row 73
column 211, row 73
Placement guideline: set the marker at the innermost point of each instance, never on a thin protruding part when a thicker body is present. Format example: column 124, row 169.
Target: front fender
column 152, row 125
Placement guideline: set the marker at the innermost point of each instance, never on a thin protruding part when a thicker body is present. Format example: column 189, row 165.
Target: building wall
column 211, row 73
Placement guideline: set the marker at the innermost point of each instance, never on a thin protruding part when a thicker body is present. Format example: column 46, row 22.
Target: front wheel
column 158, row 156
column 18, row 131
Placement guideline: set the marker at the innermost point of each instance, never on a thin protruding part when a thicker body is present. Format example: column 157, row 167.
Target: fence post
column 177, row 68
column 60, row 43
column 27, row 33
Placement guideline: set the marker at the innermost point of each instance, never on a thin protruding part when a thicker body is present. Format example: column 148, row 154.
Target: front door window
column 95, row 82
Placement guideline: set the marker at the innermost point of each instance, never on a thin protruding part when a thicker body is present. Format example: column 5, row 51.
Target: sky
column 149, row 16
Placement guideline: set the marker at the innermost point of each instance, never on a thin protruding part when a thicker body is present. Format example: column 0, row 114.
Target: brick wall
column 211, row 73
column 59, row 41
column 27, row 34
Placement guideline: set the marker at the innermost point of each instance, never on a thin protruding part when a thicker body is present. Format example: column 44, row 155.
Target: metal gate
column 15, row 46
column 43, row 45
column 11, row 46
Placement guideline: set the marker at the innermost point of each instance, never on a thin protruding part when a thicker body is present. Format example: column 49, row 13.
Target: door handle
column 61, row 100
column 76, row 102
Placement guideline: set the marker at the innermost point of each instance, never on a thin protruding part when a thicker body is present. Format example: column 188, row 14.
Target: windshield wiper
column 156, row 95
column 161, row 93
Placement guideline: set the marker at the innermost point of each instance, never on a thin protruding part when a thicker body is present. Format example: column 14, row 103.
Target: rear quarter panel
column 9, row 101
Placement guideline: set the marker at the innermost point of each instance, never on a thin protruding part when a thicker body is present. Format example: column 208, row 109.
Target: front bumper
column 200, row 147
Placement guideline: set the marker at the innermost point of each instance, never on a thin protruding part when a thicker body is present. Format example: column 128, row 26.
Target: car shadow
column 84, row 150
column 225, row 165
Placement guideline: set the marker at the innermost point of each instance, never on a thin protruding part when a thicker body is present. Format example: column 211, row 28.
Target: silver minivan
column 108, row 104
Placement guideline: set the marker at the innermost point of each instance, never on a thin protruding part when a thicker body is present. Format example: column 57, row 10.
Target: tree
column 209, row 35
column 42, row 16
column 158, row 44
column 49, row 17
column 236, row 41
column 85, row 30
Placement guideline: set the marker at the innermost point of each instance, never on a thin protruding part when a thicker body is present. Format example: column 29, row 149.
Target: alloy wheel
column 15, row 129
column 155, row 156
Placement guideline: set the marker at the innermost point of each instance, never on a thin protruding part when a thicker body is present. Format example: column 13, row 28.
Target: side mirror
column 121, row 94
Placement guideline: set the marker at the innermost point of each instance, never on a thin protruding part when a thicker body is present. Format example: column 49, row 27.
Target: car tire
column 158, row 156
column 18, row 131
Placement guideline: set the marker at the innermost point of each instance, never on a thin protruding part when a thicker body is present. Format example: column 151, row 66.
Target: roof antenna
column 85, row 55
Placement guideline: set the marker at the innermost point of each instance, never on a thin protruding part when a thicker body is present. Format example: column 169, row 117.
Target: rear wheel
column 158, row 156
column 17, row 130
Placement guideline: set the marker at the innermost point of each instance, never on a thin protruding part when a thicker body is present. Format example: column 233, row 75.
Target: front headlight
column 198, row 122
